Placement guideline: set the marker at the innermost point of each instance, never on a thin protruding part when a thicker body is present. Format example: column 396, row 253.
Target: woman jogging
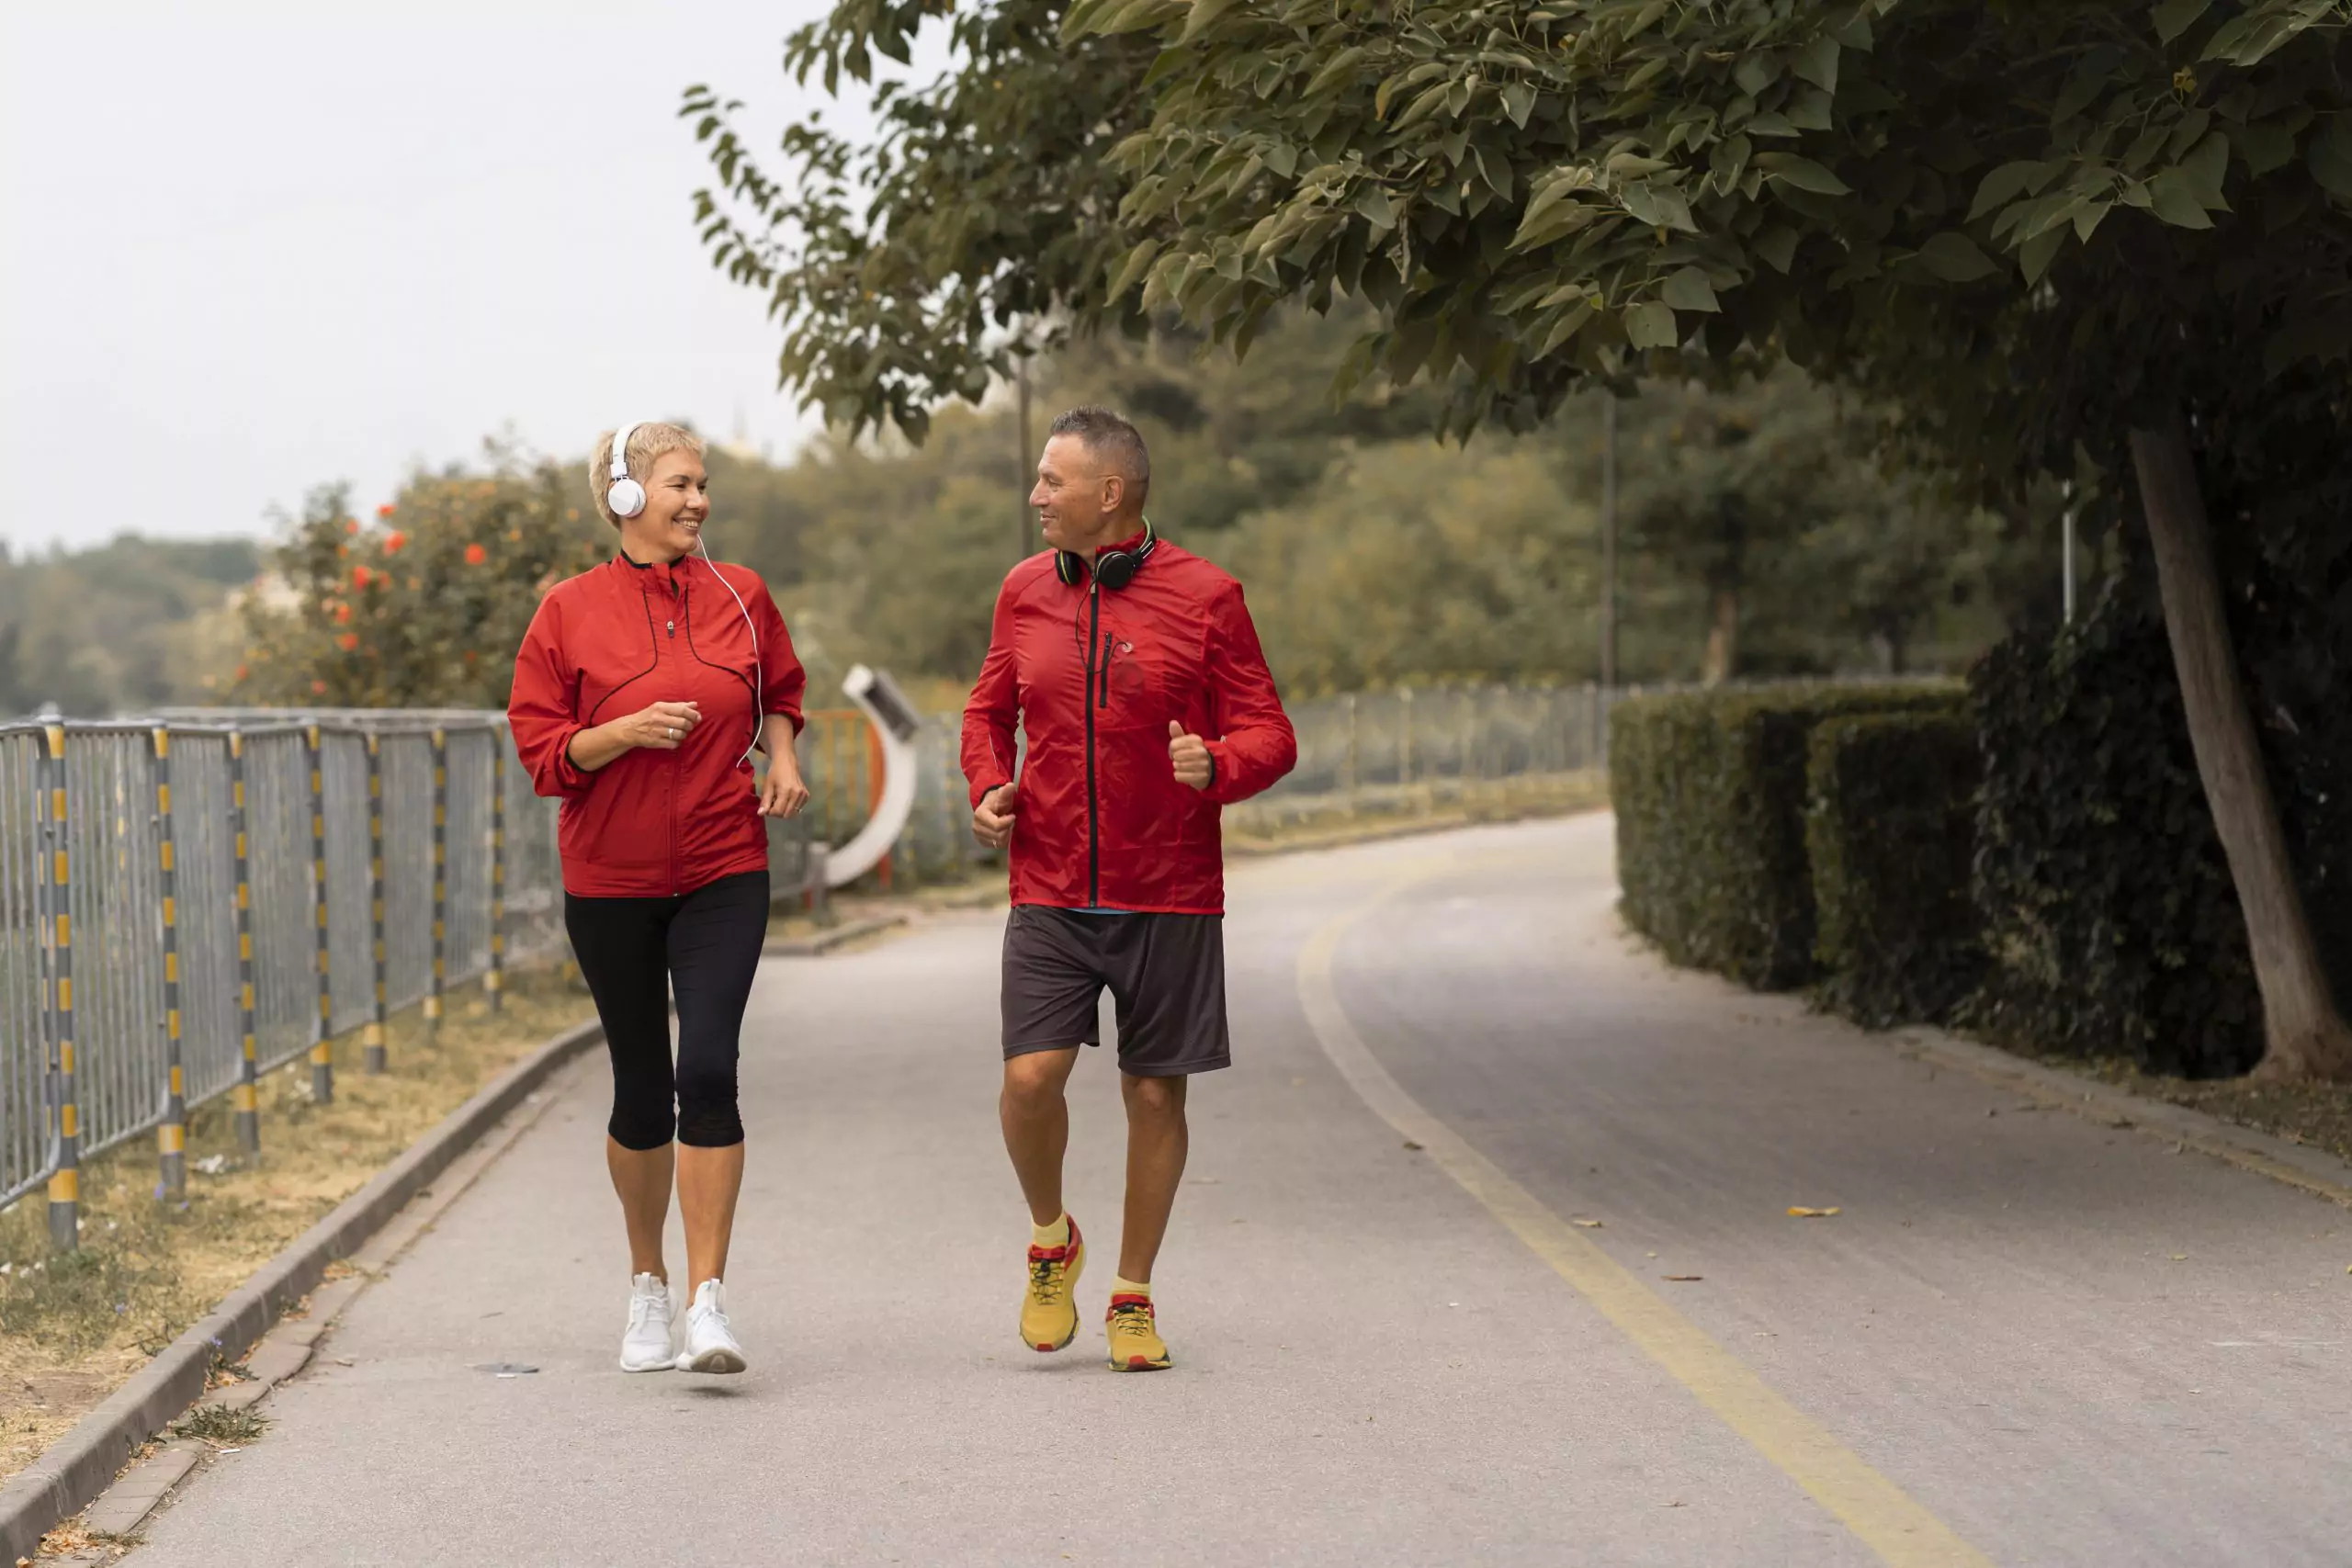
column 641, row 693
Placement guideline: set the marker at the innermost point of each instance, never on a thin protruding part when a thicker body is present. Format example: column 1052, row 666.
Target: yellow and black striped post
column 372, row 1056
column 321, row 1052
column 171, row 1135
column 440, row 876
column 65, row 1170
column 248, row 1090
column 494, row 982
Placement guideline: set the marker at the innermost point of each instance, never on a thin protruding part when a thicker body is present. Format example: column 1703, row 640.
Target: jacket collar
column 651, row 577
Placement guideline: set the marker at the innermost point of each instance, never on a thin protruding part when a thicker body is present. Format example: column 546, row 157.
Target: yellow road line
column 1879, row 1513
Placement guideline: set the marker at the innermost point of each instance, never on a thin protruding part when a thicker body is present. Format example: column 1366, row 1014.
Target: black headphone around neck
column 1113, row 568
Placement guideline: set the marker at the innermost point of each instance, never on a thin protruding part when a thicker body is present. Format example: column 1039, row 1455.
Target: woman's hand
column 781, row 793
column 662, row 728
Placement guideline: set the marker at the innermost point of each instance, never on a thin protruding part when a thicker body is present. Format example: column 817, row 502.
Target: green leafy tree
column 1721, row 485
column 923, row 264
column 1412, row 564
column 1895, row 557
column 1771, row 497
column 422, row 605
column 128, row 623
column 2034, row 226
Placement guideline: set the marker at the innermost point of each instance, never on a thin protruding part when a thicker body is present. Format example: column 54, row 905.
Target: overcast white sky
column 251, row 247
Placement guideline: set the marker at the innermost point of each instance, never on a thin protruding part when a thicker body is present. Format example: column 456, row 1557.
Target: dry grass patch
column 73, row 1328
column 221, row 1427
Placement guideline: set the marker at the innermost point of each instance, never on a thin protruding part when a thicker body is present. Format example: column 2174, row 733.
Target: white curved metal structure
column 895, row 720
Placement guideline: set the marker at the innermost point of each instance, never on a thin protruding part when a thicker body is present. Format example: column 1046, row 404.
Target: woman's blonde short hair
column 646, row 443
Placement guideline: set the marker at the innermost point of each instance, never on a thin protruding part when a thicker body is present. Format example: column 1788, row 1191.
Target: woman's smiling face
column 677, row 500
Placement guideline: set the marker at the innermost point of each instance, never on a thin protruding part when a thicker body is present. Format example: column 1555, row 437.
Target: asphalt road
column 2024, row 1338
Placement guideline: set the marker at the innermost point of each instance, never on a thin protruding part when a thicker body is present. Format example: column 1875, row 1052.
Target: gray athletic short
column 1165, row 972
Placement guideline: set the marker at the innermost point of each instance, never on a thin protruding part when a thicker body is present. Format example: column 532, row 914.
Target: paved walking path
column 2025, row 1339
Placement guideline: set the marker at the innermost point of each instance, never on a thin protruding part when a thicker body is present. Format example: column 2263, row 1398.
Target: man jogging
column 1135, row 678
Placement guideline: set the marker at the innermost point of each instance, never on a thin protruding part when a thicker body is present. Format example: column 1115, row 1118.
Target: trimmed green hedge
column 1710, row 791
column 2109, row 917
column 1891, row 832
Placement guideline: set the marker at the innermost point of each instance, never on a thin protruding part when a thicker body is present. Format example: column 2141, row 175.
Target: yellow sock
column 1129, row 1288
column 1055, row 1234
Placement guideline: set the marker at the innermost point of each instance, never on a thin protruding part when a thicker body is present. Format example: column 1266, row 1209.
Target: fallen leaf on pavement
column 1595, row 1224
column 2180, row 1257
column 1683, row 1278
column 1799, row 1211
column 1410, row 1145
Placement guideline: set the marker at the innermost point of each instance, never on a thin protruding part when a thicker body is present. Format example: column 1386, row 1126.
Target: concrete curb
column 2314, row 1172
column 82, row 1464
column 825, row 942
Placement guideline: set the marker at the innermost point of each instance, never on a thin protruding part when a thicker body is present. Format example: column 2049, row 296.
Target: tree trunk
column 2305, row 1035
column 1722, row 638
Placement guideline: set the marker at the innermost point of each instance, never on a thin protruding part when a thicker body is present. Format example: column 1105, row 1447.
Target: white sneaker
column 711, row 1345
column 647, row 1347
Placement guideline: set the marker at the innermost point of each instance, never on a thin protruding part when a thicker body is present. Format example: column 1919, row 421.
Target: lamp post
column 1023, row 540
column 1599, row 749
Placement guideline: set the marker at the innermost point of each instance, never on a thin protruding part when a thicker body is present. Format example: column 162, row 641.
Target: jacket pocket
column 619, row 828
column 1143, row 806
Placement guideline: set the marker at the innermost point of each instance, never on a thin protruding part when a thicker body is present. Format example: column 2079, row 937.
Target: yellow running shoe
column 1135, row 1344
column 1048, row 1313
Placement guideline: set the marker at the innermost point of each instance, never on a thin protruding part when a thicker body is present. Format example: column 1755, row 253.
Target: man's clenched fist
column 1189, row 754
column 993, row 818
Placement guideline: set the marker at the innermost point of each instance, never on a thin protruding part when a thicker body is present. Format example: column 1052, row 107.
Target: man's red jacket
column 1093, row 678
column 652, row 824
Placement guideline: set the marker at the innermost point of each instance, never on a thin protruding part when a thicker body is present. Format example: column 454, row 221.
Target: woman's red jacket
column 650, row 823
column 1093, row 679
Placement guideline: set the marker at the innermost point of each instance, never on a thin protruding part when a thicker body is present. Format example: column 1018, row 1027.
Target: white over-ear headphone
column 627, row 497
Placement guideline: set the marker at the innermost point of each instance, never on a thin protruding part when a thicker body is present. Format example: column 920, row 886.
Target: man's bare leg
column 1037, row 1125
column 1158, row 1140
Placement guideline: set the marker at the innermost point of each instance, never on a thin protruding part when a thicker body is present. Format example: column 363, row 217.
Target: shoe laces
column 1132, row 1317
column 643, row 1304
column 1049, row 1278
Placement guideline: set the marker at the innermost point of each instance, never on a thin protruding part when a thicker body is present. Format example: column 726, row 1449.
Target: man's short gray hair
column 1112, row 439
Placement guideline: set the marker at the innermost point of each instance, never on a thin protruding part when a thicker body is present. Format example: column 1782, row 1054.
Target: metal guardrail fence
column 1410, row 736
column 190, row 901
column 193, row 900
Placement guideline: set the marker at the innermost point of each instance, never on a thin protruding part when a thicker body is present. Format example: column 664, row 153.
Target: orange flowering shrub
column 338, row 627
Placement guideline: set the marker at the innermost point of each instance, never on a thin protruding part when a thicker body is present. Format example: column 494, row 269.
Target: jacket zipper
column 1094, row 824
column 678, row 607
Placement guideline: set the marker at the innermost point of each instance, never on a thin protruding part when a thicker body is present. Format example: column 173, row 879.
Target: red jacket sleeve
column 783, row 683
column 995, row 707
column 543, row 710
column 1254, row 744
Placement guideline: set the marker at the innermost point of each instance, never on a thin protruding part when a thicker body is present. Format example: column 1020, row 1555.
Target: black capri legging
column 704, row 947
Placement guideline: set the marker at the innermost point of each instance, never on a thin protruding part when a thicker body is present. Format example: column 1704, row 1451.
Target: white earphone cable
column 759, row 719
